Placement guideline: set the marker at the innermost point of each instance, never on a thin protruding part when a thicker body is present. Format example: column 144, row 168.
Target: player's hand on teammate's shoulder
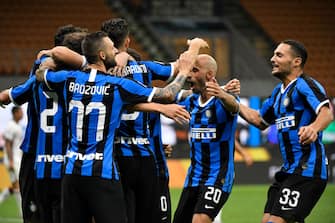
column 49, row 64
column 121, row 60
column 42, row 53
column 117, row 71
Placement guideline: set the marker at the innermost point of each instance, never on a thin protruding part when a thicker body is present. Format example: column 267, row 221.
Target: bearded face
column 282, row 61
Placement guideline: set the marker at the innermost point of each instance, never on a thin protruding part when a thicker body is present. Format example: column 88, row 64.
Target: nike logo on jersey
column 208, row 207
column 285, row 208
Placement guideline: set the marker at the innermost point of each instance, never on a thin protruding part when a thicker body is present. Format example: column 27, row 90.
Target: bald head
column 207, row 62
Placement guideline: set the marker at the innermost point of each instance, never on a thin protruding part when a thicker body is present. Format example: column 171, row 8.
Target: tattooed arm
column 168, row 93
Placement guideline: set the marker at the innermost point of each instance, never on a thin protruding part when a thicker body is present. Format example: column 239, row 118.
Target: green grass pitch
column 245, row 205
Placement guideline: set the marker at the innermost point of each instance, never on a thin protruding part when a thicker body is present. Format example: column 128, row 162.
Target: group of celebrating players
column 93, row 150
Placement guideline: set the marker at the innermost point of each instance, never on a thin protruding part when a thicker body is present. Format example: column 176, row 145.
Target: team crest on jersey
column 208, row 114
column 222, row 180
column 286, row 101
column 304, row 166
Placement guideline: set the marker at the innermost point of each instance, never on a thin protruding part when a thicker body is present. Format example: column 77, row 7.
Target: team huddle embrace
column 94, row 152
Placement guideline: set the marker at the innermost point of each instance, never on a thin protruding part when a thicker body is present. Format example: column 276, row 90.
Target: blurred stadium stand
column 309, row 21
column 242, row 34
column 29, row 26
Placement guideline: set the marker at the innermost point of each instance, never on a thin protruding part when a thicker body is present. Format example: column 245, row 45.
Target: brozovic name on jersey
column 88, row 89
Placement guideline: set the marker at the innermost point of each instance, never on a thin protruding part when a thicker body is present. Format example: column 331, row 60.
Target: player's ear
column 127, row 42
column 209, row 75
column 297, row 61
column 102, row 55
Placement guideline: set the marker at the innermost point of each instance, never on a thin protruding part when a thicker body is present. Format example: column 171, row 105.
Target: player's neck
column 99, row 67
column 122, row 49
column 16, row 120
column 292, row 76
column 204, row 97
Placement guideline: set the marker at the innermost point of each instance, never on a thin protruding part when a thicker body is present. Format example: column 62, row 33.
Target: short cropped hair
column 298, row 49
column 91, row 45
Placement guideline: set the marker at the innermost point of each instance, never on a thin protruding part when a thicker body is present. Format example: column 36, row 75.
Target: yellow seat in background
column 4, row 176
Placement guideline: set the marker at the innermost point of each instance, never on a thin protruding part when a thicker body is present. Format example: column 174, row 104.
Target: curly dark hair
column 116, row 29
column 64, row 30
column 73, row 41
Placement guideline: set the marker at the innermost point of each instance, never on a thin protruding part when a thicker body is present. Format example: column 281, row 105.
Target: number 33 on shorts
column 289, row 198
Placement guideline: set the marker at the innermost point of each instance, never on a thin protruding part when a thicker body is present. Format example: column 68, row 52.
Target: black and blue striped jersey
column 29, row 141
column 157, row 144
column 94, row 101
column 19, row 95
column 211, row 135
column 133, row 135
column 291, row 108
column 52, row 133
column 48, row 126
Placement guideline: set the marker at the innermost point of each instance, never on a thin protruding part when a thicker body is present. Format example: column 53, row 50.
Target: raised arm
column 186, row 62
